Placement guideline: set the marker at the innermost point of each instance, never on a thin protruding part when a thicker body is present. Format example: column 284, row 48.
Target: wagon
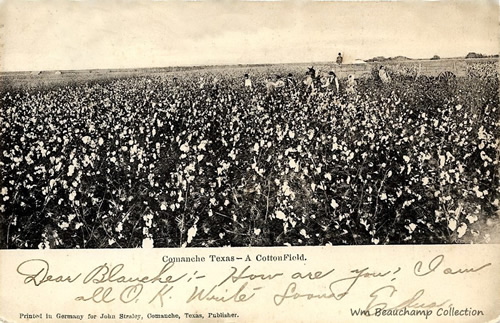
column 444, row 69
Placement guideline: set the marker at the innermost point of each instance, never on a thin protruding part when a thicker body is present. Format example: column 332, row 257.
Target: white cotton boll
column 71, row 170
column 481, row 134
column 101, row 141
column 86, row 139
column 406, row 159
column 291, row 134
column 442, row 161
column 286, row 190
column 72, row 195
column 293, row 165
column 471, row 218
column 163, row 206
column 185, row 147
column 462, row 229
column 425, row 180
column 202, row 144
column 191, row 233
column 383, row 196
column 280, row 215
column 256, row 231
column 334, row 204
column 477, row 191
column 452, row 224
column 485, row 157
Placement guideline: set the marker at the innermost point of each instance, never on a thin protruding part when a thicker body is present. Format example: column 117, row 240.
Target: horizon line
column 367, row 61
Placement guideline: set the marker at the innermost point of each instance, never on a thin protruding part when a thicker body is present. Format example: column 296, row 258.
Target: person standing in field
column 309, row 82
column 248, row 82
column 382, row 74
column 269, row 86
column 215, row 83
column 339, row 59
column 279, row 82
column 312, row 72
column 310, row 89
column 351, row 85
column 290, row 82
column 332, row 82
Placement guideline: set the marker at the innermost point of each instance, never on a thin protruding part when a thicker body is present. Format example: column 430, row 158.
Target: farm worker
column 309, row 81
column 332, row 80
column 384, row 77
column 339, row 59
column 248, row 81
column 269, row 86
column 351, row 84
column 324, row 81
column 279, row 82
column 215, row 82
column 290, row 82
column 312, row 72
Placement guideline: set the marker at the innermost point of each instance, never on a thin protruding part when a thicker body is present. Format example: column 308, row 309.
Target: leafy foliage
column 202, row 161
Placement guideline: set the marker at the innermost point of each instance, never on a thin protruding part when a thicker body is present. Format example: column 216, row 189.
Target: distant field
column 36, row 79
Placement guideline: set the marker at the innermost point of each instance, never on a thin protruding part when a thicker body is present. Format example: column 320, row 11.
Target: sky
column 61, row 35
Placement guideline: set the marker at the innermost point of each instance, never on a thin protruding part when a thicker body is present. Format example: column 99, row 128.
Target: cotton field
column 197, row 159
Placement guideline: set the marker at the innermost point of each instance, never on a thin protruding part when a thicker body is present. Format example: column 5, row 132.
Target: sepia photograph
column 235, row 124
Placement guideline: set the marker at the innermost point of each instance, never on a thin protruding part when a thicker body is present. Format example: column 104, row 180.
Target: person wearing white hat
column 248, row 82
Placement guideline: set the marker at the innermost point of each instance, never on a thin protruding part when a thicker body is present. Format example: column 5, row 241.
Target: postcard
column 249, row 161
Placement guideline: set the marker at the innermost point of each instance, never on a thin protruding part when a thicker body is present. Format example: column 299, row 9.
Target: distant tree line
column 478, row 55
